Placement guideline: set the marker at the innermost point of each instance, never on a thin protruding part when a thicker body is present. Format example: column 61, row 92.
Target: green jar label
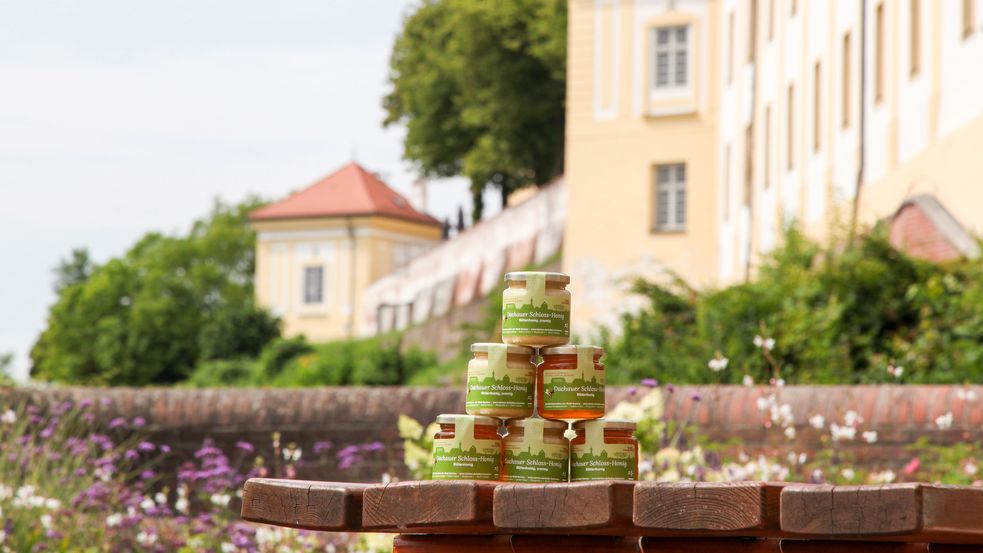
column 580, row 388
column 596, row 460
column 530, row 459
column 465, row 458
column 534, row 313
column 497, row 386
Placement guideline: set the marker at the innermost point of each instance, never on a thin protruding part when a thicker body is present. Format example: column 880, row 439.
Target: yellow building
column 318, row 249
column 698, row 128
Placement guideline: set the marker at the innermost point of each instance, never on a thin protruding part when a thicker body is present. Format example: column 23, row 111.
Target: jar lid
column 478, row 419
column 520, row 276
column 521, row 423
column 610, row 424
column 569, row 349
column 482, row 347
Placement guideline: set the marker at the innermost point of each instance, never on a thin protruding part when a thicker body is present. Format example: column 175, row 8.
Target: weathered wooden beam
column 847, row 546
column 602, row 507
column 302, row 504
column 717, row 508
column 900, row 512
column 432, row 506
column 710, row 545
column 513, row 544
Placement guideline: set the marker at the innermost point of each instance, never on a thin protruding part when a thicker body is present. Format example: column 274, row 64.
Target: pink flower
column 912, row 466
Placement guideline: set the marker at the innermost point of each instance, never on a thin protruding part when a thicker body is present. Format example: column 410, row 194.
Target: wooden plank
column 710, row 545
column 513, row 544
column 720, row 508
column 303, row 504
column 436, row 506
column 602, row 507
column 845, row 546
column 893, row 512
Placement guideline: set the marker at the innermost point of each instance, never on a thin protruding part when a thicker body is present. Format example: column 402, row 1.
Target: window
column 915, row 21
column 879, row 53
column 793, row 7
column 766, row 166
column 817, row 96
column 790, row 139
column 671, row 47
column 748, row 162
column 314, row 284
column 727, row 182
column 670, row 197
column 969, row 17
column 752, row 30
column 846, row 80
column 771, row 20
column 730, row 49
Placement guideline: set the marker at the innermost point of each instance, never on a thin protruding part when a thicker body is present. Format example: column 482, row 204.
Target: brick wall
column 184, row 417
column 915, row 234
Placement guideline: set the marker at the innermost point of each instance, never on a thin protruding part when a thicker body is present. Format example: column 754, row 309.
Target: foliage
column 480, row 87
column 417, row 443
column 379, row 360
column 76, row 269
column 66, row 485
column 153, row 314
column 862, row 314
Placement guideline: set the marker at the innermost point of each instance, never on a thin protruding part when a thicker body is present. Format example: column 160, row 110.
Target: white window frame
column 675, row 197
column 304, row 284
column 673, row 88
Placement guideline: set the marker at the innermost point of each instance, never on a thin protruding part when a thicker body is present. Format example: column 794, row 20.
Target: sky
column 122, row 117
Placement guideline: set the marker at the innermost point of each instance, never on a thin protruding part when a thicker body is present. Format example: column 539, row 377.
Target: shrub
column 833, row 314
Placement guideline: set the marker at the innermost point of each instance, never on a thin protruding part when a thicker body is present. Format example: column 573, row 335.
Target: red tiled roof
column 350, row 190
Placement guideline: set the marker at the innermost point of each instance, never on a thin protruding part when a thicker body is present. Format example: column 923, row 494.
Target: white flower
column 160, row 498
column 146, row 539
column 765, row 403
column 838, row 432
column 779, row 383
column 758, row 341
column 870, row 436
column 52, row 504
column 181, row 505
column 3, row 536
column 8, row 417
column 803, row 458
column 46, row 521
column 147, row 504
column 718, row 364
column 851, row 418
column 847, row 473
column 895, row 371
column 944, row 422
column 885, row 477
column 790, row 432
column 5, row 492
column 748, row 381
column 970, row 468
column 114, row 520
column 791, row 457
column 817, row 474
column 817, row 421
column 966, row 394
column 769, row 344
column 221, row 499
column 228, row 547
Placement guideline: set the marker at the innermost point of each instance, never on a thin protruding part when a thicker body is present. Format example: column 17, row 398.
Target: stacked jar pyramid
column 518, row 412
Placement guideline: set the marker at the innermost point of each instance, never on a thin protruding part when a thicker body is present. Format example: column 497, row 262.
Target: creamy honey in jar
column 536, row 309
column 604, row 450
column 536, row 451
column 467, row 448
column 501, row 381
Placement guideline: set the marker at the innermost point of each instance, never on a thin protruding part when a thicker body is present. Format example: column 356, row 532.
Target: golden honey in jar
column 535, row 451
column 570, row 383
column 604, row 450
column 467, row 448
column 501, row 381
column 536, row 309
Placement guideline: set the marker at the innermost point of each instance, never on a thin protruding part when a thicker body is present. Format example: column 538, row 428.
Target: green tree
column 75, row 269
column 151, row 315
column 480, row 87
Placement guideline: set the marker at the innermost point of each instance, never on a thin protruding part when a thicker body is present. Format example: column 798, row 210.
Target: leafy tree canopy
column 150, row 316
column 480, row 87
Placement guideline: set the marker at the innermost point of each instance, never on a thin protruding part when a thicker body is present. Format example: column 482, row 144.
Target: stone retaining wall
column 183, row 418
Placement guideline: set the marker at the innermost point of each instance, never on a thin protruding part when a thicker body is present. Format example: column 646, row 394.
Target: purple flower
column 80, row 472
column 164, row 448
column 145, row 446
column 139, row 422
column 696, row 397
column 650, row 382
column 47, row 432
column 131, row 455
column 85, row 403
column 245, row 446
column 321, row 446
column 147, row 475
column 117, row 422
column 106, row 402
column 348, row 451
column 347, row 462
column 373, row 446
column 632, row 391
column 670, row 388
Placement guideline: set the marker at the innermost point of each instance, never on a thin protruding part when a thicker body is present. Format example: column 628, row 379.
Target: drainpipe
column 352, row 260
column 863, row 121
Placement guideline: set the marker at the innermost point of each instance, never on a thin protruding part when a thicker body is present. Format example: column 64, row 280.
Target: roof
column 947, row 227
column 350, row 190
